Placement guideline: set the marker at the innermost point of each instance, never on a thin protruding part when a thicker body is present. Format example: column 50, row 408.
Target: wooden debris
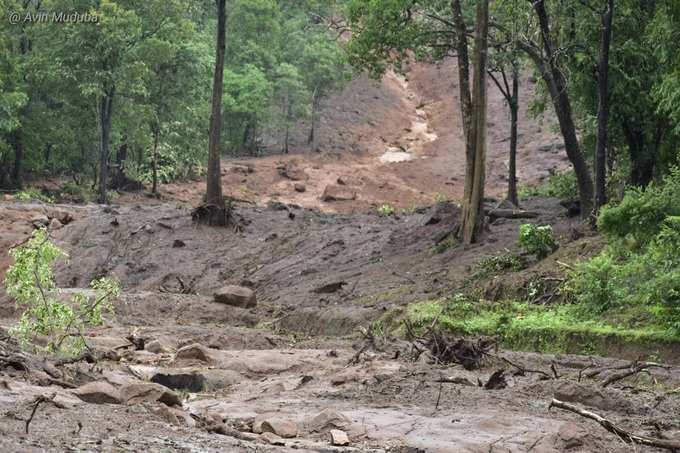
column 624, row 435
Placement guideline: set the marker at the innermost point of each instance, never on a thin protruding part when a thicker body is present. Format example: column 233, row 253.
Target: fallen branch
column 635, row 368
column 624, row 435
column 38, row 401
column 511, row 214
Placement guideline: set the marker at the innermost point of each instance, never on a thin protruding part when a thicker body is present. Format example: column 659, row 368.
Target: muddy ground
column 292, row 361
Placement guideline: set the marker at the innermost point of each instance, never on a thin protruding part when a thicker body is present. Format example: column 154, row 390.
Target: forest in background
column 135, row 85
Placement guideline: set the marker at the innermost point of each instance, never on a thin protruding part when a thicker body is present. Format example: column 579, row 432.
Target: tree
column 472, row 217
column 215, row 212
column 603, row 108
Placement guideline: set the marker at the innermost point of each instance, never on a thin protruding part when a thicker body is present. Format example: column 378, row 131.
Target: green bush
column 641, row 213
column 48, row 324
column 537, row 239
column 562, row 185
column 32, row 194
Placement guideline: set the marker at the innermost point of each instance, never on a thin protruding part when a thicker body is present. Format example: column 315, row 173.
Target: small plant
column 386, row 210
column 562, row 185
column 440, row 197
column 33, row 195
column 537, row 240
column 30, row 281
column 413, row 207
column 447, row 243
column 492, row 265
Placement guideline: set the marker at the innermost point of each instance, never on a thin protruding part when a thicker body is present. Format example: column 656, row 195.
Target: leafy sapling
column 537, row 240
column 49, row 324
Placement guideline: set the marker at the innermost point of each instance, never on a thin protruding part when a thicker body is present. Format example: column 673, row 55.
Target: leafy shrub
column 537, row 239
column 386, row 210
column 562, row 185
column 33, row 195
column 30, row 281
column 641, row 213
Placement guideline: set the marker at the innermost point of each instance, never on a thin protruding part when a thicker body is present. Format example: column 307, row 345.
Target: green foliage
column 562, row 185
column 386, row 210
column 31, row 194
column 641, row 213
column 537, row 239
column 48, row 324
column 449, row 242
column 496, row 264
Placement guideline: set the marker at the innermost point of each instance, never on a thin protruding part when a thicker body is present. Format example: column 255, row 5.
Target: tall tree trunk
column 17, row 143
column 473, row 207
column 312, row 129
column 215, row 213
column 641, row 159
column 557, row 86
column 154, row 176
column 512, row 160
column 464, row 93
column 603, row 110
column 105, row 114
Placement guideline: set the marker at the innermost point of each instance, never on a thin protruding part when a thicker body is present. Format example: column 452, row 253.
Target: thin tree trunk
column 603, row 110
column 473, row 208
column 312, row 129
column 17, row 169
column 512, row 161
column 216, row 212
column 105, row 114
column 464, row 93
column 154, row 186
column 557, row 87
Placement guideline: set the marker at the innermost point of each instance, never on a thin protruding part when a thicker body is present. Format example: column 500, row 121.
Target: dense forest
column 340, row 225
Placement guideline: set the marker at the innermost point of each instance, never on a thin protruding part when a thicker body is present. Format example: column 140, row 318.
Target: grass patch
column 557, row 329
column 385, row 296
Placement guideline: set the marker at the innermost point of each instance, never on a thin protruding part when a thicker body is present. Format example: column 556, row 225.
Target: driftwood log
column 627, row 437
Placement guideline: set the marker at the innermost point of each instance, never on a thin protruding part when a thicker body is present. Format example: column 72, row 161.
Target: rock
column 339, row 438
column 281, row 427
column 178, row 243
column 243, row 169
column 272, row 439
column 98, row 393
column 292, row 172
column 277, row 205
column 155, row 346
column 195, row 352
column 237, row 296
column 55, row 224
column 190, row 380
column 148, row 229
column 338, row 193
column 40, row 221
column 328, row 418
column 148, row 392
column 299, row 187
column 329, row 288
column 219, row 379
column 174, row 416
column 342, row 180
column 259, row 419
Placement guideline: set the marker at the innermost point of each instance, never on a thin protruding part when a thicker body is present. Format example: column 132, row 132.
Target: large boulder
column 98, row 393
column 147, row 393
column 237, row 296
column 334, row 192
column 194, row 352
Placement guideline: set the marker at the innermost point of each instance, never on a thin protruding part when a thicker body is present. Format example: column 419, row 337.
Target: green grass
column 522, row 326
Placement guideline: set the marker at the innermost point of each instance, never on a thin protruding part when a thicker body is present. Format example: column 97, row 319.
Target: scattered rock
column 272, row 439
column 155, row 346
column 174, row 416
column 148, row 392
column 299, row 187
column 327, row 419
column 178, row 243
column 40, row 221
column 148, row 229
column 237, row 296
column 339, row 438
column 260, row 419
column 338, row 193
column 218, row 379
column 194, row 352
column 281, row 427
column 292, row 172
column 342, row 181
column 98, row 393
column 55, row 224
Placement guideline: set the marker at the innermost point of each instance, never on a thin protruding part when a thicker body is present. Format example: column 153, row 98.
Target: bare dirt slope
column 396, row 141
